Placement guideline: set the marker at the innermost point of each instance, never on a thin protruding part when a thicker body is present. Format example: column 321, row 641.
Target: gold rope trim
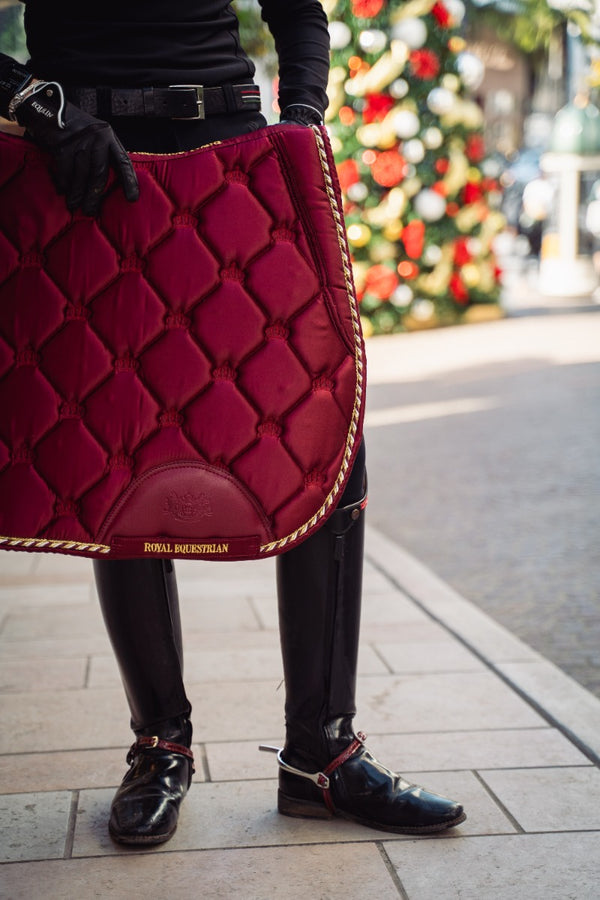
column 353, row 428
column 52, row 544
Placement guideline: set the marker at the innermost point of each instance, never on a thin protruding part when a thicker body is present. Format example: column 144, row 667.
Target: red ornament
column 407, row 269
column 347, row 173
column 380, row 281
column 377, row 107
column 441, row 188
column 346, row 115
column 424, row 64
column 475, row 148
column 458, row 290
column 366, row 9
column 441, row 14
column 461, row 252
column 389, row 168
column 472, row 192
column 413, row 236
column 442, row 165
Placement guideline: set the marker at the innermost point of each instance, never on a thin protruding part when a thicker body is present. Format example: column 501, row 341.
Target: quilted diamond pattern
column 182, row 376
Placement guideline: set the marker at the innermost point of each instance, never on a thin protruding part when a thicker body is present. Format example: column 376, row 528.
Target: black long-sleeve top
column 136, row 43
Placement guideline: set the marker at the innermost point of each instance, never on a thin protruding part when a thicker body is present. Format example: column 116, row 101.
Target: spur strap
column 156, row 743
column 321, row 779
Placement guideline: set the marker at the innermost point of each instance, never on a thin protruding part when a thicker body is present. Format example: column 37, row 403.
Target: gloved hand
column 82, row 147
column 299, row 114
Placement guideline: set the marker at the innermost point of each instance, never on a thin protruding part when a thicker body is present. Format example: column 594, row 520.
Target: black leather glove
column 299, row 114
column 83, row 148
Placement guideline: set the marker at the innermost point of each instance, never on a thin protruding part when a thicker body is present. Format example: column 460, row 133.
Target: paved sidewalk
column 448, row 697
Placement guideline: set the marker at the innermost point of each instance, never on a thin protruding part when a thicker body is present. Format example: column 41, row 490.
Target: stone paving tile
column 66, row 720
column 18, row 597
column 62, row 770
column 565, row 799
column 42, row 674
column 257, row 874
column 429, row 656
column 34, row 826
column 44, row 568
column 210, row 613
column 533, row 748
column 517, row 867
column 56, row 648
column 571, row 705
column 440, row 702
column 243, row 814
column 53, row 622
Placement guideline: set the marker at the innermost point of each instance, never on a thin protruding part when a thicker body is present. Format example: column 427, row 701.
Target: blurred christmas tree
column 420, row 209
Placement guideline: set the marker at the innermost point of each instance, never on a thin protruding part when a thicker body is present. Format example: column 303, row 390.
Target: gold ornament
column 451, row 82
column 469, row 216
column 335, row 92
column 388, row 67
column 470, row 274
column 380, row 251
column 414, row 9
column 369, row 135
column 393, row 231
column 456, row 44
column 456, row 176
column 389, row 211
column 359, row 235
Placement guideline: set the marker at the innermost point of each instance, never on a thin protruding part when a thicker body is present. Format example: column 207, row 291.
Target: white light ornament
column 440, row 101
column 433, row 138
column 372, row 40
column 357, row 192
column 429, row 205
column 413, row 151
column 457, row 10
column 406, row 124
column 340, row 35
column 412, row 31
column 399, row 88
column 471, row 70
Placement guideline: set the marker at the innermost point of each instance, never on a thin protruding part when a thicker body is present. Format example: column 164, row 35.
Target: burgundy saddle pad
column 182, row 376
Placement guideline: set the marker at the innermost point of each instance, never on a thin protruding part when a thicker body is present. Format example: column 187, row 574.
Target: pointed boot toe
column 357, row 787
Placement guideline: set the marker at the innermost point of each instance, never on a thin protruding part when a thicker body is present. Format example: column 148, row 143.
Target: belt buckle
column 199, row 89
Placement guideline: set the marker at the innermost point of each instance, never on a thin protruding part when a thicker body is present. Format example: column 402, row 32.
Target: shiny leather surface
column 145, row 808
column 140, row 606
column 365, row 791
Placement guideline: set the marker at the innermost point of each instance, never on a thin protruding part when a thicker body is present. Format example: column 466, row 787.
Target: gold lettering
column 185, row 549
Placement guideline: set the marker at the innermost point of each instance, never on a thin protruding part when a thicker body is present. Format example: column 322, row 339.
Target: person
column 107, row 76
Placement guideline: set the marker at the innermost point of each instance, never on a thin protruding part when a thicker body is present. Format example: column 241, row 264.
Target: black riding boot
column 140, row 606
column 325, row 769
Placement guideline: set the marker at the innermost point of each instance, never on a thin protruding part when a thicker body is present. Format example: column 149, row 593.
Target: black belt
column 178, row 101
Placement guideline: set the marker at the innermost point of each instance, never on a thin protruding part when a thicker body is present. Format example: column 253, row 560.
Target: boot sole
column 142, row 839
column 304, row 809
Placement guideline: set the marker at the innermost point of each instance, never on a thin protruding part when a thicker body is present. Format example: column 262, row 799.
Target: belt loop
column 231, row 99
column 148, row 100
column 104, row 102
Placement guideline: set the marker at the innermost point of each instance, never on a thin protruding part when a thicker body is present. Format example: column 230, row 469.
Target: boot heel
column 301, row 809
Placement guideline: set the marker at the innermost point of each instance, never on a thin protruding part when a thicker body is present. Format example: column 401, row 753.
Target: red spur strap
column 156, row 743
column 350, row 750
